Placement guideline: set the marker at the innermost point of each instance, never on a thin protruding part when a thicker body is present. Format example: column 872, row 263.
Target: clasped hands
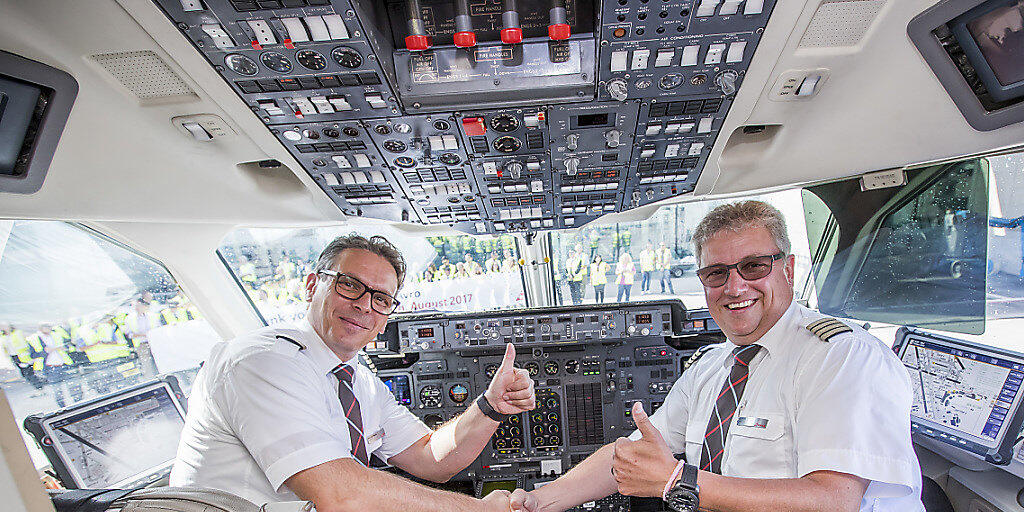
column 640, row 468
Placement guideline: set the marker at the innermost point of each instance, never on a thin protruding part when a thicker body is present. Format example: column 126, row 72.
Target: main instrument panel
column 589, row 365
column 487, row 116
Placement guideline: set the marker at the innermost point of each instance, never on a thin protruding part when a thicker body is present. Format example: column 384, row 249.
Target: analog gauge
column 382, row 129
column 572, row 366
column 551, row 367
column 441, row 125
column 346, row 57
column 311, row 60
column 241, row 64
column 533, row 368
column 458, row 393
column 507, row 144
column 504, row 123
column 433, row 421
column 670, row 81
column 276, row 62
column 404, row 161
column 430, row 396
column 449, row 159
column 403, row 128
column 395, row 146
column 490, row 370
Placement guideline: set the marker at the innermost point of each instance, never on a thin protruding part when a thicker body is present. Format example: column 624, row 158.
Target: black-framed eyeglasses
column 750, row 269
column 352, row 288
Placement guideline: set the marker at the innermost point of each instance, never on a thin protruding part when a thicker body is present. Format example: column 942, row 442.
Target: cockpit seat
column 164, row 499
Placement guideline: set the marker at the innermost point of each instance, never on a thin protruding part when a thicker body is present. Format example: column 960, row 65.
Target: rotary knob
column 572, row 141
column 726, row 82
column 618, row 90
column 514, row 168
column 611, row 138
column 572, row 165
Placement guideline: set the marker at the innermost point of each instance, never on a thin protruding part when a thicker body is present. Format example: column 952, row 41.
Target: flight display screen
column 400, row 386
column 964, row 396
column 119, row 441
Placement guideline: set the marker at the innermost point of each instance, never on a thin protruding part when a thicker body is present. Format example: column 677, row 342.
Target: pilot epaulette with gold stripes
column 826, row 328
column 696, row 355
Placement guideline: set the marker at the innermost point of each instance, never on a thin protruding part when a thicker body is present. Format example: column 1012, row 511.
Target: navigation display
column 119, row 440
column 963, row 395
column 400, row 387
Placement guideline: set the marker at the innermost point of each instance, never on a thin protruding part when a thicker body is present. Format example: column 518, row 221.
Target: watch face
column 682, row 500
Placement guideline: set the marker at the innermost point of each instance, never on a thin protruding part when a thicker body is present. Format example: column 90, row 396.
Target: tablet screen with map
column 965, row 395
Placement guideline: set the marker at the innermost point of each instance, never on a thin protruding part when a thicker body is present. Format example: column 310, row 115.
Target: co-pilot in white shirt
column 809, row 405
column 261, row 410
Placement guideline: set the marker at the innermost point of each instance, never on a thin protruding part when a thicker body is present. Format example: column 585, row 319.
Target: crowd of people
column 582, row 269
column 111, row 352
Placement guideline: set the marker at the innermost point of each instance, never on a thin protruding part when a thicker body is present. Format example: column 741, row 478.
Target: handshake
column 638, row 468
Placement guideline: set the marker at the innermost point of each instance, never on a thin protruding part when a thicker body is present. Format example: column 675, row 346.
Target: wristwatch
column 684, row 496
column 488, row 410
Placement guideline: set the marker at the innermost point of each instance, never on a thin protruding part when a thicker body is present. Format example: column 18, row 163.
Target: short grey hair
column 376, row 244
column 741, row 215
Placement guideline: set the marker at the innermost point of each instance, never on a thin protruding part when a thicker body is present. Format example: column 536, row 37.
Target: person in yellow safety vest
column 140, row 321
column 18, row 349
column 599, row 277
column 55, row 363
column 576, row 269
column 665, row 266
column 647, row 259
column 471, row 266
column 624, row 271
column 108, row 342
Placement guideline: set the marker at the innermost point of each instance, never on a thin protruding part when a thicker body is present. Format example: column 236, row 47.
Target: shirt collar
column 322, row 356
column 773, row 341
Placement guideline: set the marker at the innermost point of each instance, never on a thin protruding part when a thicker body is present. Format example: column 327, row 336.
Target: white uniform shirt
column 261, row 410
column 841, row 405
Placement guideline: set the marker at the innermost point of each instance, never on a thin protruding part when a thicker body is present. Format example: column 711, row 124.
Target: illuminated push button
column 262, row 31
column 377, row 177
column 696, row 148
column 672, row 151
column 450, row 142
column 317, row 28
column 729, row 7
column 705, row 125
column 336, row 27
column 474, row 126
column 362, row 160
column 653, row 129
column 322, row 105
column 640, row 58
column 296, row 30
column 707, row 8
column 715, row 53
column 220, row 38
column 342, row 161
column 348, row 178
column 533, row 120
column 691, row 54
column 436, row 143
column 339, row 102
column 619, row 60
column 375, row 100
column 753, row 7
column 331, row 180
column 664, row 57
column 736, row 52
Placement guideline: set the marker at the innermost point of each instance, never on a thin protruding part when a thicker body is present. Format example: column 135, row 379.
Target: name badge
column 746, row 421
column 376, row 436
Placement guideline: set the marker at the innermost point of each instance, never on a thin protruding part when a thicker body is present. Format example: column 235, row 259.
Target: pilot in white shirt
column 286, row 413
column 797, row 411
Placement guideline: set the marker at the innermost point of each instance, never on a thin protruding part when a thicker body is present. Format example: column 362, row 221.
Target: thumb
column 509, row 359
column 643, row 423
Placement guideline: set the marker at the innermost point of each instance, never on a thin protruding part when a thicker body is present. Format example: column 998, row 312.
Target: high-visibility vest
column 647, row 260
column 576, row 268
column 664, row 258
column 599, row 273
column 36, row 345
column 174, row 314
column 109, row 342
column 16, row 346
column 58, row 342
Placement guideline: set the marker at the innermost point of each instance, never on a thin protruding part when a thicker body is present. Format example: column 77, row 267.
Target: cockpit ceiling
column 121, row 158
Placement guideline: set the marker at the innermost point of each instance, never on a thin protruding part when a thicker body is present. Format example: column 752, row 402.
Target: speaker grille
column 840, row 23
column 146, row 75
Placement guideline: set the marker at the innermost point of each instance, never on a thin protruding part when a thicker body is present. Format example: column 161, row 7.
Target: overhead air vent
column 35, row 101
column 147, row 76
column 839, row 23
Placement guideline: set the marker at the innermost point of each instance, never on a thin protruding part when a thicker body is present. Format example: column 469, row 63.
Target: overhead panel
column 464, row 115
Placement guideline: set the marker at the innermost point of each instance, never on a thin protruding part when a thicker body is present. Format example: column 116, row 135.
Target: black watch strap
column 488, row 410
column 689, row 476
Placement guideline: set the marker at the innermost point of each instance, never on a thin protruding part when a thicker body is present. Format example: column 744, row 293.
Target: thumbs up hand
column 642, row 467
column 511, row 389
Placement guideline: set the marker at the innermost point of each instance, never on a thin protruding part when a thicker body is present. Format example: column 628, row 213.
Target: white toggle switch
column 270, row 107
column 664, row 57
column 685, row 127
column 490, row 168
column 808, row 86
column 532, row 165
column 707, row 8
column 672, row 151
column 536, row 186
column 736, row 52
column 342, row 161
column 696, row 148
column 317, row 28
column 436, row 143
column 652, row 129
column 198, row 132
column 533, row 120
column 715, row 52
column 331, row 180
column 730, row 7
column 705, row 124
column 362, row 160
column 640, row 59
column 753, row 7
column 220, row 38
column 339, row 102
column 322, row 105
column 361, row 178
column 377, row 177
column 647, row 153
column 306, row 108
column 619, row 60
column 375, row 100
column 450, row 142
column 296, row 30
column 348, row 178
column 336, row 27
column 671, row 128
column 263, row 33
column 691, row 54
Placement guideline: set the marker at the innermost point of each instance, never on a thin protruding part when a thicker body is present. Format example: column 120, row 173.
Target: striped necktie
column 725, row 408
column 350, row 405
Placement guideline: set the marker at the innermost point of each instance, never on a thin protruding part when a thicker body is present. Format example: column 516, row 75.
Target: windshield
column 653, row 258
column 444, row 273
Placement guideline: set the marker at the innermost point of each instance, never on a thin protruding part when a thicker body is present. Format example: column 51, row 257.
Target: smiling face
column 745, row 310
column 346, row 326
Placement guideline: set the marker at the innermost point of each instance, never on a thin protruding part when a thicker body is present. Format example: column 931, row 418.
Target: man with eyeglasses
column 287, row 413
column 796, row 411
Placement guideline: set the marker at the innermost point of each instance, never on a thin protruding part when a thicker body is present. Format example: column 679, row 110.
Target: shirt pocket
column 760, row 446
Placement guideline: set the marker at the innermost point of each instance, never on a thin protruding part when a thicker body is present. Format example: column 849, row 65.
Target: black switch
column 248, row 86
column 348, row 79
column 269, row 85
column 329, row 81
column 288, row 84
column 309, row 82
column 368, row 78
